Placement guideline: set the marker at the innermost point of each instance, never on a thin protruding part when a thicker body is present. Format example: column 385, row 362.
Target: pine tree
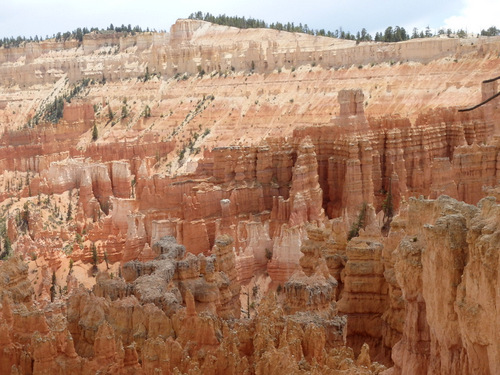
column 106, row 259
column 53, row 287
column 7, row 248
column 79, row 35
column 95, row 258
column 359, row 223
column 70, row 212
column 95, row 134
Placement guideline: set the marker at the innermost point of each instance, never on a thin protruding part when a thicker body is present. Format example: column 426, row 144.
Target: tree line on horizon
column 391, row 34
column 73, row 35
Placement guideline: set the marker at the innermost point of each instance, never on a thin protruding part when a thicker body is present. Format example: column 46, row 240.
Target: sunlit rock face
column 224, row 201
column 434, row 265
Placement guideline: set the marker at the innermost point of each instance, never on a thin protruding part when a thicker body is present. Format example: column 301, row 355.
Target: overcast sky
column 47, row 17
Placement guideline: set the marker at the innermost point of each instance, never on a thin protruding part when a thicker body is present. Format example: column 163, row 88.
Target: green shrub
column 359, row 223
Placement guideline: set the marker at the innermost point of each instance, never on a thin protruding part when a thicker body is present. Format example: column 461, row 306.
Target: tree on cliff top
column 391, row 34
column 492, row 31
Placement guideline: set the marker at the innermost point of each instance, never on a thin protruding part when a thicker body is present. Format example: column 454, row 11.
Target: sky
column 47, row 17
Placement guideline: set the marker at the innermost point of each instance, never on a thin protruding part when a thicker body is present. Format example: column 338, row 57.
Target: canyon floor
column 215, row 200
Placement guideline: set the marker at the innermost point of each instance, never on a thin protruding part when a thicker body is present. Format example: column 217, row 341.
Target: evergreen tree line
column 492, row 31
column 72, row 35
column 391, row 34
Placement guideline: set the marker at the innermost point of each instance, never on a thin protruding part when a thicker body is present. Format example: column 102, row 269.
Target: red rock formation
column 303, row 205
column 255, row 150
column 364, row 297
column 444, row 314
column 312, row 288
column 121, row 335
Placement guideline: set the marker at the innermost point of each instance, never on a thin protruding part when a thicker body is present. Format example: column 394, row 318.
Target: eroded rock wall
column 157, row 318
column 446, row 289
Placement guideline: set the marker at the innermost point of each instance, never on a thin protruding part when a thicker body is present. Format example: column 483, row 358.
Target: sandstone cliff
column 447, row 286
